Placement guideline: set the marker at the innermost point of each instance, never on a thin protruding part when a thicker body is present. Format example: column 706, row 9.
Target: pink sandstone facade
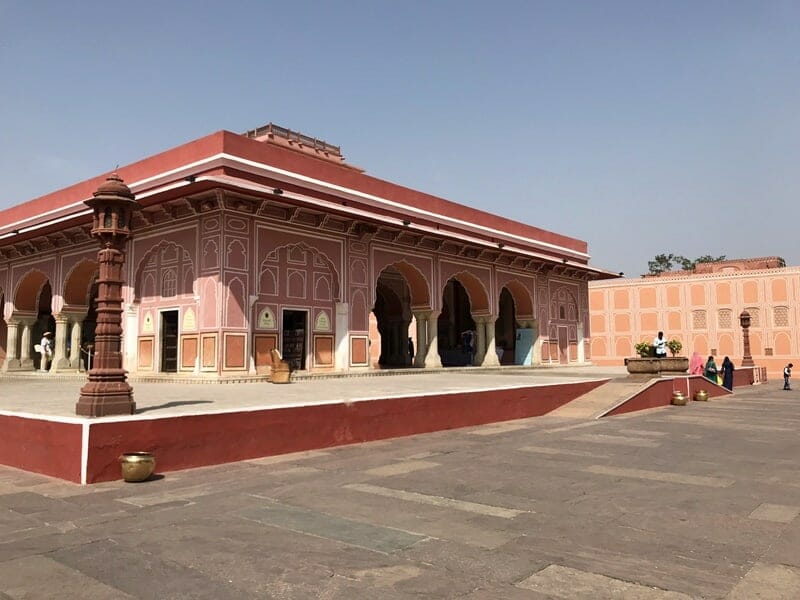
column 701, row 309
column 245, row 243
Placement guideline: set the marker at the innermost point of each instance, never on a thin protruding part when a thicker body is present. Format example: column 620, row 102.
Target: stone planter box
column 673, row 365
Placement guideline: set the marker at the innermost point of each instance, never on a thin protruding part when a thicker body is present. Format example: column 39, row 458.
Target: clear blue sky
column 640, row 127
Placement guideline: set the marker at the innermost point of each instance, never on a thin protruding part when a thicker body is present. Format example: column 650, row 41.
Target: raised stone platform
column 190, row 425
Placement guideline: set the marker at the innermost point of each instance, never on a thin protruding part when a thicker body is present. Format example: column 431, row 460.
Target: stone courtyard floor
column 699, row 501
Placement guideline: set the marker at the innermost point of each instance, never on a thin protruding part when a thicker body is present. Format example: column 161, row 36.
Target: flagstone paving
column 700, row 501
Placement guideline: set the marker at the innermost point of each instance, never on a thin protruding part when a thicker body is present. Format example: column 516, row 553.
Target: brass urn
column 678, row 399
column 137, row 466
column 701, row 396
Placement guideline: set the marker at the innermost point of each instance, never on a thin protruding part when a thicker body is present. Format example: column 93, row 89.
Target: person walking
column 710, row 371
column 727, row 373
column 787, row 375
column 660, row 344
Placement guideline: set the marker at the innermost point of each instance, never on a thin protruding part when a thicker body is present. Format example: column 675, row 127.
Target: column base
column 491, row 360
column 61, row 365
column 105, row 398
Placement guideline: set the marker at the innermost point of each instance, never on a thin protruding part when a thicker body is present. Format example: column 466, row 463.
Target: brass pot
column 678, row 399
column 137, row 466
column 701, row 396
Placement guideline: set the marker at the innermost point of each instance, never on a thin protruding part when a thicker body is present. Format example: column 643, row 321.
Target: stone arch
column 26, row 294
column 782, row 344
column 392, row 310
column 523, row 301
column 599, row 348
column 477, row 293
column 700, row 344
column 415, row 280
column 317, row 256
column 165, row 252
column 78, row 283
column 725, row 345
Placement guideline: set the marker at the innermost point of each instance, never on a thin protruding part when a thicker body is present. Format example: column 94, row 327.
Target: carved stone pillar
column 490, row 360
column 12, row 362
column 744, row 321
column 432, row 359
column 107, row 392
column 480, row 345
column 60, row 358
column 75, row 345
column 421, row 348
column 25, row 358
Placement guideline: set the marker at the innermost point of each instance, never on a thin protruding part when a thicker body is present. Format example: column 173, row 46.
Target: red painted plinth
column 186, row 441
column 41, row 446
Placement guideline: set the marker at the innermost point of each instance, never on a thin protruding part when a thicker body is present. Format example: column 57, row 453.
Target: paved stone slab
column 401, row 468
column 363, row 535
column 772, row 582
column 482, row 509
column 39, row 576
column 777, row 513
column 571, row 584
column 559, row 451
column 142, row 575
column 664, row 476
column 617, row 440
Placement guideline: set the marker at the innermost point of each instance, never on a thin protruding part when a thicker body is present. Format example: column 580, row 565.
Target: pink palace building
column 269, row 239
column 701, row 308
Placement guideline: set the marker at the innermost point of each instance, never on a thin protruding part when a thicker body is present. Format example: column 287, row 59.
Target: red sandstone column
column 744, row 321
column 107, row 392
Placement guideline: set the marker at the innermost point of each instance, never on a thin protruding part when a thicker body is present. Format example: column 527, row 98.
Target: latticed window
column 781, row 316
column 755, row 316
column 699, row 319
column 169, row 283
column 725, row 318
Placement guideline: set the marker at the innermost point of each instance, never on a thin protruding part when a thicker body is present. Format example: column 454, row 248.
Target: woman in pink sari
column 696, row 364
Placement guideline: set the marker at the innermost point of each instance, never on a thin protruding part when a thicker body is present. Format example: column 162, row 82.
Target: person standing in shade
column 47, row 351
column 660, row 344
column 787, row 375
column 727, row 373
column 710, row 371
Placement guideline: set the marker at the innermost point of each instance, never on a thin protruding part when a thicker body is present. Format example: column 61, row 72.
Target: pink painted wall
column 702, row 311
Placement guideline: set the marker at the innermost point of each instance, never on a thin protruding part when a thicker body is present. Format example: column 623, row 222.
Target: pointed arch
column 165, row 252
column 417, row 283
column 26, row 294
column 476, row 291
column 302, row 249
column 523, row 301
column 78, row 282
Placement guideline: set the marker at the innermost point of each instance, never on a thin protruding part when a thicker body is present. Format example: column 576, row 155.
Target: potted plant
column 642, row 349
column 674, row 346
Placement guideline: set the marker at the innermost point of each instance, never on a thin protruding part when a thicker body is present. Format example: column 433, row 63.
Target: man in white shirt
column 47, row 350
column 660, row 344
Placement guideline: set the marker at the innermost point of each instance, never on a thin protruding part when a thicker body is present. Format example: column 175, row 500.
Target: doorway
column 563, row 346
column 169, row 341
column 293, row 349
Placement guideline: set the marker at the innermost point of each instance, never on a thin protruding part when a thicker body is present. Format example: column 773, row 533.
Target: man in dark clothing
column 787, row 373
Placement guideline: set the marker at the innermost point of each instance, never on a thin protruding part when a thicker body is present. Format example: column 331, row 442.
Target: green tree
column 663, row 263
